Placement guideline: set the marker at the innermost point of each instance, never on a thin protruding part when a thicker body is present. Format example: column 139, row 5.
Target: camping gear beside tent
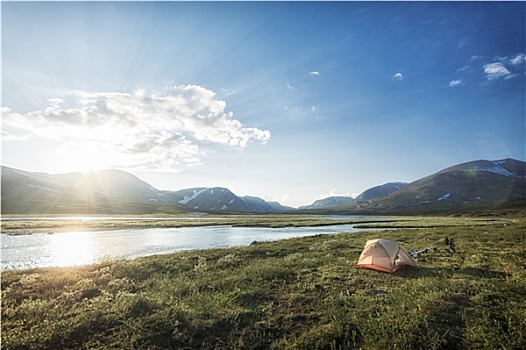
column 415, row 253
column 384, row 255
column 452, row 246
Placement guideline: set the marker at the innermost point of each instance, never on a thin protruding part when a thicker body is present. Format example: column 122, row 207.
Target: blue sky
column 287, row 101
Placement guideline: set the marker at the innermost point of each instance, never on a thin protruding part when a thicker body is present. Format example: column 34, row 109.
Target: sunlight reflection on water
column 80, row 248
column 72, row 248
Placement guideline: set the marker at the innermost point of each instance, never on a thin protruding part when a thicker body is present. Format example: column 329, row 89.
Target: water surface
column 84, row 247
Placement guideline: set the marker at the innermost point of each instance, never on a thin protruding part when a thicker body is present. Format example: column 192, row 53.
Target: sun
column 83, row 160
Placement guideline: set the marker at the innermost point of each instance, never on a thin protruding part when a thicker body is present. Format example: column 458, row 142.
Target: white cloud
column 271, row 198
column 518, row 59
column 468, row 67
column 314, row 73
column 228, row 92
column 398, row 77
column 454, row 83
column 140, row 129
column 495, row 71
column 502, row 67
column 332, row 193
column 55, row 102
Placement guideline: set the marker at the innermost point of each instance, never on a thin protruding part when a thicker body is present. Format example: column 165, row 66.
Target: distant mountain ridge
column 466, row 186
column 328, row 202
column 114, row 192
column 106, row 191
column 367, row 195
column 379, row 191
column 216, row 199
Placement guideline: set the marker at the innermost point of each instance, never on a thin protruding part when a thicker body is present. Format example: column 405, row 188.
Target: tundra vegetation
column 302, row 293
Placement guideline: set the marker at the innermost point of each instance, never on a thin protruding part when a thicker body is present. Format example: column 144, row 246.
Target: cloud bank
column 139, row 130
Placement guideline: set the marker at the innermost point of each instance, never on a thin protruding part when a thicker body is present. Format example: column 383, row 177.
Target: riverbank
column 302, row 293
column 25, row 225
column 15, row 225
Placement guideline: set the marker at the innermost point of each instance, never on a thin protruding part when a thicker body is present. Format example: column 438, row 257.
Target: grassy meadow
column 302, row 293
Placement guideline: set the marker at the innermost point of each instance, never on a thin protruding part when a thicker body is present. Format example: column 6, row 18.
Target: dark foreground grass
column 303, row 293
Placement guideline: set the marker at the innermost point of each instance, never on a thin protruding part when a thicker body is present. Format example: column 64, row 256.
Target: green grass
column 303, row 293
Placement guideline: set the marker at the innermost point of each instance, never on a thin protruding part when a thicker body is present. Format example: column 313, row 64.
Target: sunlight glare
column 82, row 159
column 73, row 249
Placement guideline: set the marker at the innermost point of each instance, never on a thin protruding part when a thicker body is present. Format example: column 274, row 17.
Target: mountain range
column 466, row 186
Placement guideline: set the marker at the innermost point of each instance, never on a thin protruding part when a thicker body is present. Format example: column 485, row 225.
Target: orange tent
column 384, row 255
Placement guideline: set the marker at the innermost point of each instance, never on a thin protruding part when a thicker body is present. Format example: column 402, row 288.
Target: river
column 84, row 247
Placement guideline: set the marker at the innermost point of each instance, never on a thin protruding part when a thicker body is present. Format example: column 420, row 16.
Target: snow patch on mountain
column 446, row 196
column 187, row 199
column 497, row 169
